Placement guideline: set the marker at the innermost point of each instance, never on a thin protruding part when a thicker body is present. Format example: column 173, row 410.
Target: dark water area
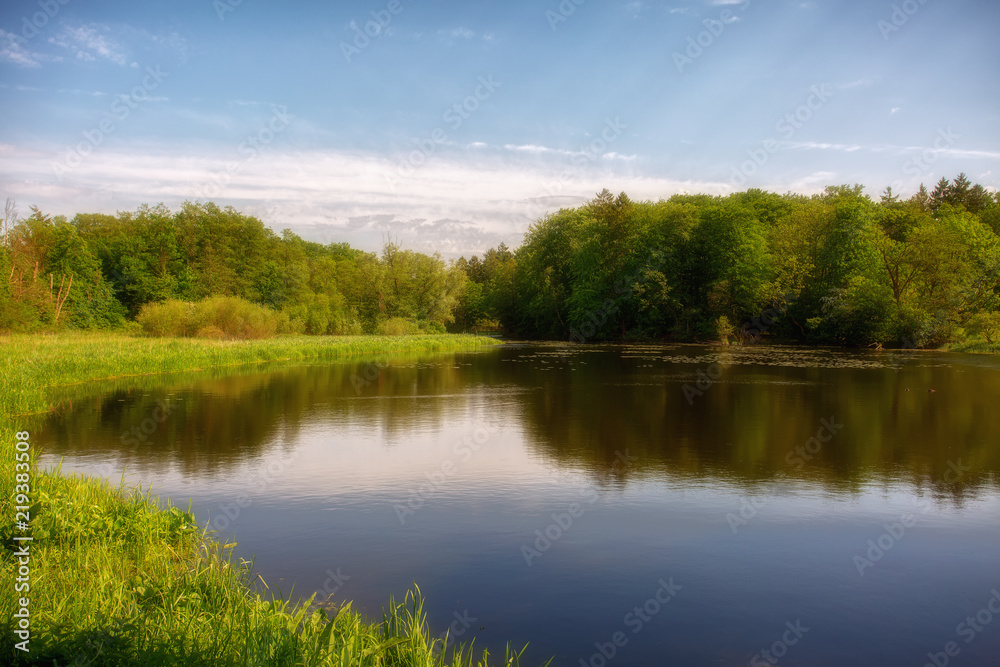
column 619, row 505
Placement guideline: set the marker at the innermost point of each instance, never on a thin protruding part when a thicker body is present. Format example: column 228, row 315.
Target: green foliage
column 398, row 326
column 849, row 270
column 985, row 325
column 845, row 269
column 99, row 269
column 215, row 317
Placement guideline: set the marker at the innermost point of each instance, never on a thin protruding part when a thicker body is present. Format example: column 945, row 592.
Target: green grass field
column 115, row 579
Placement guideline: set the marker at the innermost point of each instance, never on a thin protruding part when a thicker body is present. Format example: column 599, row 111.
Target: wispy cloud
column 463, row 34
column 21, row 88
column 890, row 148
column 857, row 83
column 13, row 49
column 826, row 146
column 478, row 201
column 89, row 43
column 75, row 91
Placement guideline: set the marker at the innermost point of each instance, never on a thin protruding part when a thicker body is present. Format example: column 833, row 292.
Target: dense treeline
column 97, row 271
column 836, row 268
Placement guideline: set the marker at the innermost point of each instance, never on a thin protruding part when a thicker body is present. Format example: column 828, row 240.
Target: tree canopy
column 833, row 268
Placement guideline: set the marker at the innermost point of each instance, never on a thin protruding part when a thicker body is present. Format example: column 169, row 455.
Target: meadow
column 119, row 577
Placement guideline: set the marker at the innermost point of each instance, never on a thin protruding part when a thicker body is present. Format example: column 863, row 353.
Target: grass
column 118, row 580
column 975, row 347
column 32, row 364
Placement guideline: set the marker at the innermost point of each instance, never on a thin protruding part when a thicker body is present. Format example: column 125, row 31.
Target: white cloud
column 87, row 43
column 14, row 49
column 455, row 205
column 449, row 37
column 857, row 83
column 818, row 145
column 892, row 148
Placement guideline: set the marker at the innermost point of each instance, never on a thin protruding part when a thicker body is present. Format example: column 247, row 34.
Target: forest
column 835, row 268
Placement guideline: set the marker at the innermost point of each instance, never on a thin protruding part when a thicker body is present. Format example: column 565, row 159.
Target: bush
column 398, row 326
column 169, row 318
column 211, row 331
column 986, row 325
column 724, row 330
column 215, row 317
column 235, row 317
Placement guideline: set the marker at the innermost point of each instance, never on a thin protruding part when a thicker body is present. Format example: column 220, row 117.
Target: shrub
column 169, row 318
column 211, row 331
column 398, row 326
column 986, row 325
column 236, row 317
column 215, row 317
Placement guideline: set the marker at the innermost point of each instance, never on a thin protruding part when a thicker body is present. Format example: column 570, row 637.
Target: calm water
column 662, row 504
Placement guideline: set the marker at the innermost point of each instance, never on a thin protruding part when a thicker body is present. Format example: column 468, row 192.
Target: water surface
column 681, row 505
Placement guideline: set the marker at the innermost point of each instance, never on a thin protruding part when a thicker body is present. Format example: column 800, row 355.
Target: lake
column 620, row 505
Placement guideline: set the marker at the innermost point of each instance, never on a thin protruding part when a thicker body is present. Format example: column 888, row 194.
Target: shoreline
column 116, row 577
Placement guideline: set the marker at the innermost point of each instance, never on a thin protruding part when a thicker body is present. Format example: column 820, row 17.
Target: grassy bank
column 32, row 364
column 114, row 580
column 975, row 347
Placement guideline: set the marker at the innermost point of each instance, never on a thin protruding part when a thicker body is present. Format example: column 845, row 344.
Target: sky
column 452, row 126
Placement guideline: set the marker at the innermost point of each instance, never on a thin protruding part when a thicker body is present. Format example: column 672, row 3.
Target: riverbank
column 112, row 579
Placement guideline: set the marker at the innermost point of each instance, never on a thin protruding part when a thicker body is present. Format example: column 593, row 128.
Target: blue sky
column 451, row 126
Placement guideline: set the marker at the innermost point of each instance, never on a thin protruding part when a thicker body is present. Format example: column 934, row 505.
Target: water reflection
column 546, row 491
column 744, row 415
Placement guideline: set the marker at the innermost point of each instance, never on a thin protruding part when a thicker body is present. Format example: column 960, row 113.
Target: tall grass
column 118, row 580
column 31, row 364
